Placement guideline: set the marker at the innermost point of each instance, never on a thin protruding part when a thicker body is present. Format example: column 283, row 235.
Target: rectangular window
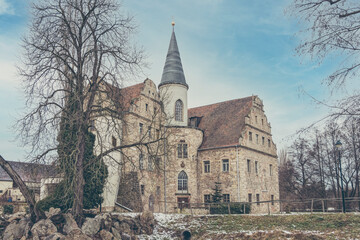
column 155, row 110
column 256, row 167
column 182, row 150
column 226, row 197
column 256, row 119
column 113, row 141
column 257, row 199
column 248, row 165
column 250, row 197
column 141, row 161
column 250, row 136
column 272, row 199
column 207, row 198
column 146, row 106
column 257, row 138
column 269, row 143
column 206, row 166
column 262, row 122
column 141, row 128
column 142, row 189
column 150, row 163
column 263, row 140
column 225, row 165
column 149, row 131
column 158, row 191
column 185, row 150
column 270, row 169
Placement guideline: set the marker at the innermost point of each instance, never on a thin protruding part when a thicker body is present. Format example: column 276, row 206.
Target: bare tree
column 76, row 55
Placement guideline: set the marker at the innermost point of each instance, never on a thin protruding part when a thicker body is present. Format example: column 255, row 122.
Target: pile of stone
column 62, row 226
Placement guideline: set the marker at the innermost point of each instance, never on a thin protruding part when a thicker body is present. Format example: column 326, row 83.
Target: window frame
column 207, row 168
column 183, row 181
column 225, row 165
column 258, row 199
column 179, row 110
column 248, row 165
column 226, row 198
column 141, row 161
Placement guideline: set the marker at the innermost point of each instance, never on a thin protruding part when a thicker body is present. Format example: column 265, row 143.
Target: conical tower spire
column 173, row 71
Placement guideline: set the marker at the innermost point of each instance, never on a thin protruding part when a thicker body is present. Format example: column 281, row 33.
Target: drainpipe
column 165, row 154
column 237, row 173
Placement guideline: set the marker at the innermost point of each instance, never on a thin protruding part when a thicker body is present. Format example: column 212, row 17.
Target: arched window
column 182, row 181
column 179, row 110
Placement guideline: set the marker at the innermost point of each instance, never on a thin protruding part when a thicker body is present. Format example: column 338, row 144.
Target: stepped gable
column 29, row 172
column 222, row 122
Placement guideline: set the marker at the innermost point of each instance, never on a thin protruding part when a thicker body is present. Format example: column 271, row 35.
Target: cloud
column 5, row 8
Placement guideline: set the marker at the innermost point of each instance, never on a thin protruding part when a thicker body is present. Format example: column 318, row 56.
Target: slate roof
column 222, row 122
column 173, row 70
column 29, row 172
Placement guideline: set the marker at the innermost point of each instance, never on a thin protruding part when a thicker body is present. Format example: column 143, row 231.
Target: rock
column 16, row 216
column 116, row 233
column 147, row 222
column 77, row 235
column 70, row 224
column 105, row 235
column 43, row 228
column 91, row 226
column 106, row 221
column 52, row 212
column 55, row 236
column 17, row 229
column 125, row 236
column 123, row 227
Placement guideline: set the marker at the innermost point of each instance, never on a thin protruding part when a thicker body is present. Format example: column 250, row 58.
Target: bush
column 235, row 208
column 8, row 209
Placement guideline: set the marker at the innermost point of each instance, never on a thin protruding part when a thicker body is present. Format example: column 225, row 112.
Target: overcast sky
column 229, row 49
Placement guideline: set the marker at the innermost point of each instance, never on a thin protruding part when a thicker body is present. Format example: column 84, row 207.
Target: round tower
column 173, row 87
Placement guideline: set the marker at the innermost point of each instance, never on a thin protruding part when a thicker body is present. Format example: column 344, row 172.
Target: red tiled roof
column 126, row 96
column 222, row 122
column 29, row 172
column 130, row 95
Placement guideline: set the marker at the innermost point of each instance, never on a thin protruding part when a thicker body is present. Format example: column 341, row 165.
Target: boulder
column 43, row 228
column 55, row 236
column 70, row 224
column 77, row 235
column 91, row 226
column 123, row 227
column 105, row 235
column 147, row 222
column 116, row 233
column 52, row 212
column 17, row 229
column 106, row 221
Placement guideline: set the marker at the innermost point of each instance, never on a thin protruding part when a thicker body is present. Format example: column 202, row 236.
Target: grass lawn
column 300, row 226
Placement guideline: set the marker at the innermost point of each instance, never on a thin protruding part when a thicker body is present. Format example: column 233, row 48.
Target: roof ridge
column 213, row 104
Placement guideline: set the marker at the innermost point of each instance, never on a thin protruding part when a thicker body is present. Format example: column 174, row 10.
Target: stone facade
column 173, row 155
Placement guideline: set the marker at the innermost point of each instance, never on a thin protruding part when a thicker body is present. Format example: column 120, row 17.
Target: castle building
column 228, row 142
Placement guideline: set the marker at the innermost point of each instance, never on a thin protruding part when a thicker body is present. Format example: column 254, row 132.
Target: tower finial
column 173, row 23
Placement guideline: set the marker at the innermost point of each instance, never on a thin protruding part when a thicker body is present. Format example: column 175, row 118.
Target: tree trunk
column 77, row 208
column 36, row 214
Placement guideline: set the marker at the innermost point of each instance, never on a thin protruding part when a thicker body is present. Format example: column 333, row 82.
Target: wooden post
column 268, row 205
column 244, row 207
column 312, row 205
column 323, row 205
column 229, row 208
column 280, row 206
column 191, row 210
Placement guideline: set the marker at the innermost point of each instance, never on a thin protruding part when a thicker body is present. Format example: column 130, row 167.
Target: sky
column 229, row 49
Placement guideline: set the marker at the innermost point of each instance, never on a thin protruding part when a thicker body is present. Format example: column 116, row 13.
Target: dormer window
column 179, row 110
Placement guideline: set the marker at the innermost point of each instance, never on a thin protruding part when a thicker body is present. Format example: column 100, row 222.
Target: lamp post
column 338, row 146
